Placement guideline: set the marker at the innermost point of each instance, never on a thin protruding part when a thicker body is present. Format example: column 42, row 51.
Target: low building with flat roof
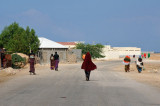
column 117, row 52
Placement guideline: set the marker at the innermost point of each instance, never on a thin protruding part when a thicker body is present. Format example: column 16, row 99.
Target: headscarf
column 88, row 65
column 140, row 59
column 127, row 59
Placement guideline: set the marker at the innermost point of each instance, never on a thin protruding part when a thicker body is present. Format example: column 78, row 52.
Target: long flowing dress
column 52, row 63
column 88, row 65
column 56, row 64
column 32, row 69
column 126, row 61
column 32, row 60
column 56, row 60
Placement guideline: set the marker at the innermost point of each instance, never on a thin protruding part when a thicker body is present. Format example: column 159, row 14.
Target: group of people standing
column 54, row 60
column 138, row 62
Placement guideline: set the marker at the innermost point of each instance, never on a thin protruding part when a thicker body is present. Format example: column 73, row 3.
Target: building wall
column 44, row 55
column 123, row 51
column 112, row 55
column 117, row 52
column 65, row 55
column 75, row 53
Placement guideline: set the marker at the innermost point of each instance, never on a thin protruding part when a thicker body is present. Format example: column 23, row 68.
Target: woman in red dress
column 88, row 65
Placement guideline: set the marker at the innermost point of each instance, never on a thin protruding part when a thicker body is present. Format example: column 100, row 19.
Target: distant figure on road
column 52, row 62
column 144, row 55
column 126, row 62
column 139, row 64
column 88, row 65
column 149, row 55
column 32, row 60
column 133, row 62
column 56, row 60
column 134, row 59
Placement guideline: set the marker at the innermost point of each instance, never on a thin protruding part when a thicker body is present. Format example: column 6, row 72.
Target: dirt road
column 67, row 87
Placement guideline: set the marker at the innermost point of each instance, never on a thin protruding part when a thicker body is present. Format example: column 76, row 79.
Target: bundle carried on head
column 127, row 60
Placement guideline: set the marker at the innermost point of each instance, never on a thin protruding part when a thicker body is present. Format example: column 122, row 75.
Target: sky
column 119, row 23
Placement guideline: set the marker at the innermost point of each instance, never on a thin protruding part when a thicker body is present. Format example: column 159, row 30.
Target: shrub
column 17, row 61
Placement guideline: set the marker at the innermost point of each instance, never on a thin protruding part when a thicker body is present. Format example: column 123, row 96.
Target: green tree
column 95, row 50
column 16, row 39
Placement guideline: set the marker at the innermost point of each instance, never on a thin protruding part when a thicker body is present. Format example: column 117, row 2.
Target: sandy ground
column 150, row 74
column 9, row 73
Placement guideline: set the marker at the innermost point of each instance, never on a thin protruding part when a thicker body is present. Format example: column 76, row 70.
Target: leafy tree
column 16, row 39
column 95, row 50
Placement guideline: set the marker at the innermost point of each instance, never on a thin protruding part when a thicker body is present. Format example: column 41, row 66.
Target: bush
column 17, row 61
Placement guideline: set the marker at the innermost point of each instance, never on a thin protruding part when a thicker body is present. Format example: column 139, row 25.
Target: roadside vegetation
column 17, row 39
column 95, row 50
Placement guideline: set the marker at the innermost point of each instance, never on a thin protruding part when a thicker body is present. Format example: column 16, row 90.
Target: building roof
column 67, row 43
column 46, row 43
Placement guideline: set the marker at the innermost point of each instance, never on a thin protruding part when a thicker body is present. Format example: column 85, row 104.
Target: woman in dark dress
column 88, row 65
column 32, row 60
column 56, row 60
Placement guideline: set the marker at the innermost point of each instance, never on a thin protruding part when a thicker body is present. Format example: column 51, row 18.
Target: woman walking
column 52, row 62
column 56, row 59
column 139, row 64
column 32, row 60
column 88, row 65
column 126, row 62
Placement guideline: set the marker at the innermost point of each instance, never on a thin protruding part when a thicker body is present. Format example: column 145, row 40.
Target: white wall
column 123, row 51
column 111, row 53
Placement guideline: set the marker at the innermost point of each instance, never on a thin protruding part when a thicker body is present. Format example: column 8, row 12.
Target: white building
column 117, row 52
column 48, row 47
column 69, row 45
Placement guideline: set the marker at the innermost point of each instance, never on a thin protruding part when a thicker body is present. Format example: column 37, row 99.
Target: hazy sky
column 119, row 23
